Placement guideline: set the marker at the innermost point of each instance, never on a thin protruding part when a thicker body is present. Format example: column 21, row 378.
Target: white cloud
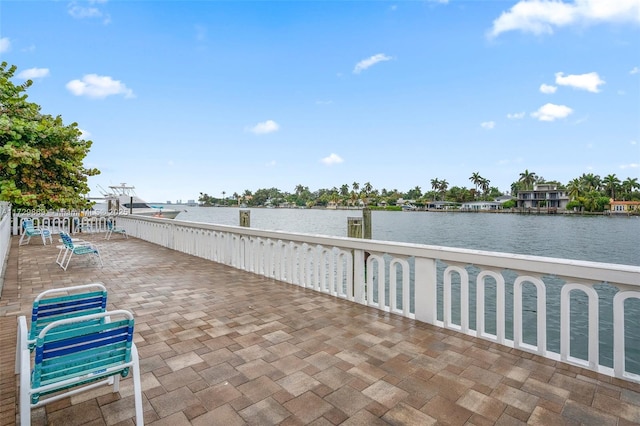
column 324, row 102
column 548, row 89
column 89, row 11
column 551, row 112
column 5, row 44
column 332, row 159
column 32, row 73
column 366, row 63
column 542, row 16
column 488, row 125
column 271, row 163
column 265, row 127
column 98, row 86
column 516, row 115
column 84, row 134
column 634, row 70
column 629, row 166
column 589, row 81
column 633, row 142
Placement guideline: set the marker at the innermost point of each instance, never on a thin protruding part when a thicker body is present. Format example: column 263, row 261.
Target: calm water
column 609, row 239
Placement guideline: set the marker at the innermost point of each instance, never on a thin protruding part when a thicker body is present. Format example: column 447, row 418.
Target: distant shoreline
column 530, row 211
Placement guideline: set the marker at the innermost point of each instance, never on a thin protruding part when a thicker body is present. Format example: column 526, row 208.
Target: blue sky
column 183, row 97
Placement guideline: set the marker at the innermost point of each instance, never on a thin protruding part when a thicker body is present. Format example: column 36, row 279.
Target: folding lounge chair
column 111, row 229
column 56, row 304
column 78, row 354
column 77, row 249
column 62, row 254
column 29, row 230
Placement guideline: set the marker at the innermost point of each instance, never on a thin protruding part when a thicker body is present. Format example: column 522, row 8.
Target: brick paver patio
column 221, row 346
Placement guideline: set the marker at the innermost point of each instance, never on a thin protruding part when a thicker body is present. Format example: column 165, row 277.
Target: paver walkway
column 221, row 346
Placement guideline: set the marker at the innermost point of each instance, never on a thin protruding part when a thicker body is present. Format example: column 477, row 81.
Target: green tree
column 41, row 159
column 484, row 185
column 590, row 182
column 611, row 184
column 628, row 186
column 206, row 200
column 435, row 185
column 575, row 189
column 527, row 179
column 476, row 179
column 442, row 188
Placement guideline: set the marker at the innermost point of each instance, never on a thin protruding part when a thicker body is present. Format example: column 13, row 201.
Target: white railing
column 5, row 237
column 70, row 222
column 526, row 302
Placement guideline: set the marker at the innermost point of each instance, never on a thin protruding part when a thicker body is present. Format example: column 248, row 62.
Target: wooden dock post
column 366, row 223
column 354, row 227
column 245, row 218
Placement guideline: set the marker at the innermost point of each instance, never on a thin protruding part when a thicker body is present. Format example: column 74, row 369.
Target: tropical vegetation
column 41, row 158
column 588, row 192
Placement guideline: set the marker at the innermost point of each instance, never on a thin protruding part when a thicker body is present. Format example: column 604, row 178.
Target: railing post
column 426, row 286
column 359, row 292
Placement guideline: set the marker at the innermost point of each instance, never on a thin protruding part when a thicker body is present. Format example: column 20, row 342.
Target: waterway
column 609, row 239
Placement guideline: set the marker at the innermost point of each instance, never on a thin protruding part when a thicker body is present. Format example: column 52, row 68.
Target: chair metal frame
column 29, row 230
column 78, row 354
column 77, row 249
column 111, row 229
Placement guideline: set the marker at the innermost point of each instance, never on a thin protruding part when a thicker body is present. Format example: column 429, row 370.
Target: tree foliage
column 41, row 158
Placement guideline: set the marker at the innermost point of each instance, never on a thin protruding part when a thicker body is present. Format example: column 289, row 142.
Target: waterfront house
column 624, row 206
column 442, row 205
column 481, row 206
column 545, row 195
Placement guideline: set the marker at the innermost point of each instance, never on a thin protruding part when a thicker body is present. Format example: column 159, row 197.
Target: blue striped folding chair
column 112, row 229
column 29, row 230
column 77, row 249
column 77, row 354
column 56, row 304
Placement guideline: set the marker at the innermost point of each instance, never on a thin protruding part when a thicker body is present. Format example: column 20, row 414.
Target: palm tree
column 344, row 190
column 611, row 183
column 528, row 179
column 435, row 185
column 591, row 182
column 355, row 186
column 223, row 198
column 629, row 185
column 515, row 187
column 353, row 198
column 476, row 179
column 366, row 191
column 442, row 188
column 484, row 185
column 574, row 189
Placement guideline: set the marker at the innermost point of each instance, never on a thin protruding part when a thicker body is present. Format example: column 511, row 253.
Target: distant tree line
column 589, row 192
